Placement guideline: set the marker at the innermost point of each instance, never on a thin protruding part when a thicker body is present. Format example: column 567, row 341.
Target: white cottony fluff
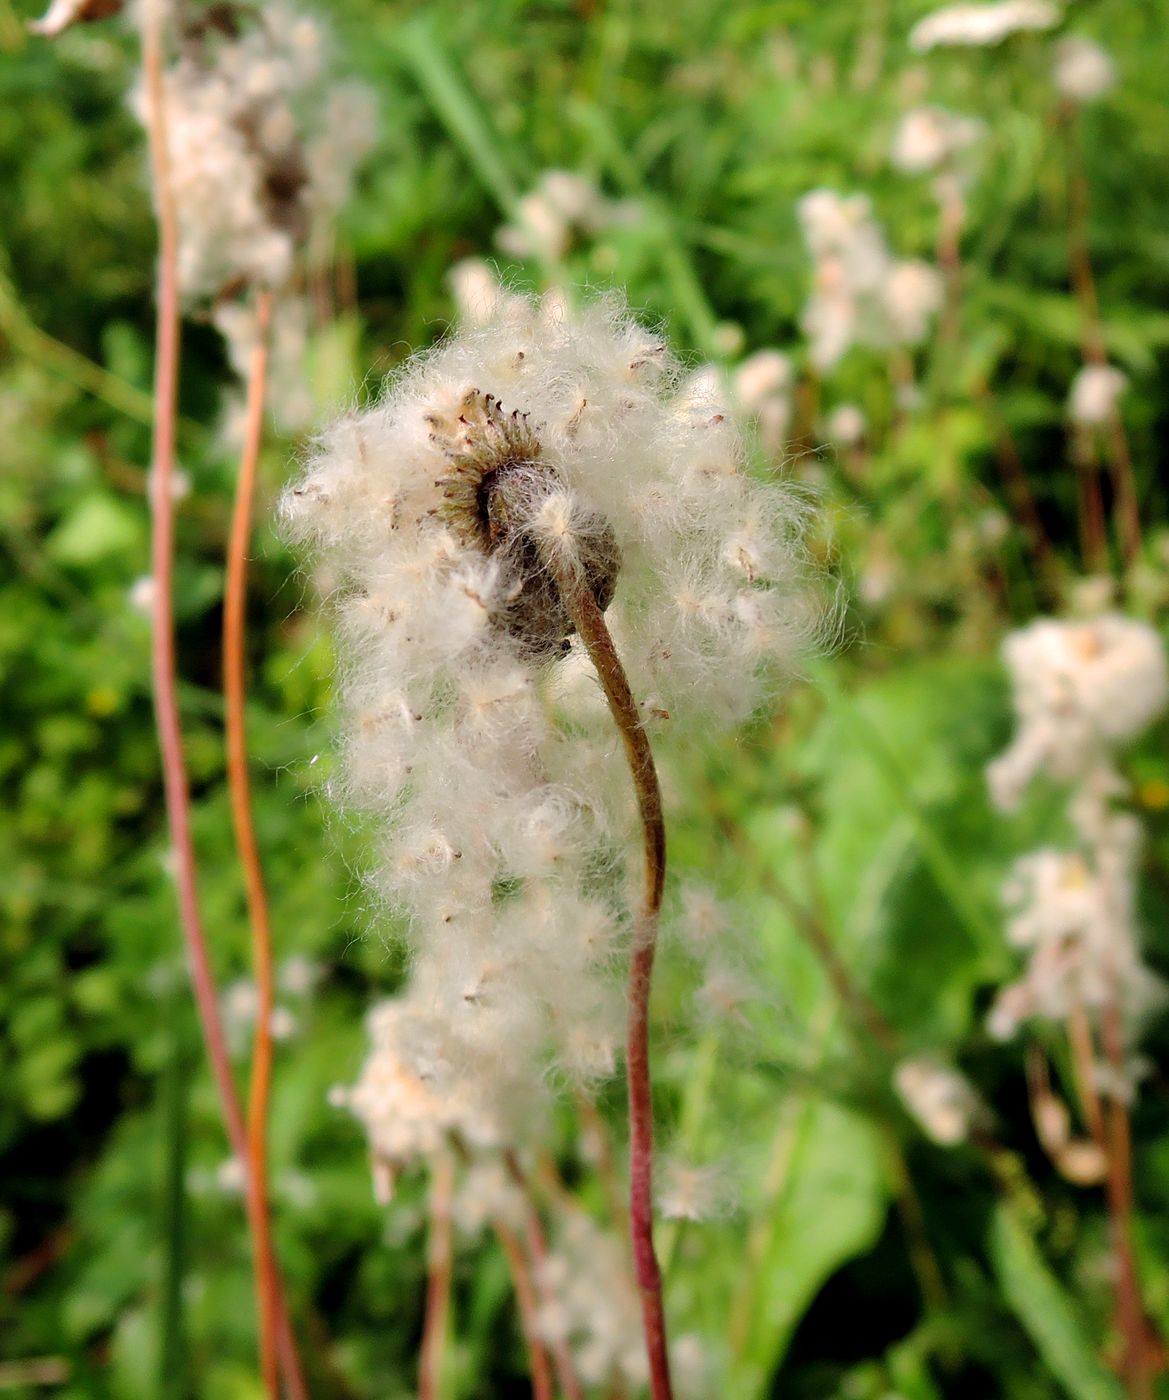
column 942, row 1101
column 1083, row 71
column 928, row 137
column 474, row 729
column 861, row 294
column 1095, row 393
column 1080, row 690
column 261, row 147
column 976, row 25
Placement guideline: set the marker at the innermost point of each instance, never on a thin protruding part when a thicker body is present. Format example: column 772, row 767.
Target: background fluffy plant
column 717, row 123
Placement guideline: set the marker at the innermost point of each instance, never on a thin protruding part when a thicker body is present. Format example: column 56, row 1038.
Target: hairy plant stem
column 235, row 706
column 589, row 622
column 538, row 1252
column 440, row 1256
column 163, row 663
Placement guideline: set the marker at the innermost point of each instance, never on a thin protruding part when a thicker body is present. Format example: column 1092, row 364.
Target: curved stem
column 235, row 703
column 438, row 1280
column 163, row 666
column 589, row 622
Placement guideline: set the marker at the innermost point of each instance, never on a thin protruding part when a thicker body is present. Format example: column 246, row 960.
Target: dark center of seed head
column 501, row 480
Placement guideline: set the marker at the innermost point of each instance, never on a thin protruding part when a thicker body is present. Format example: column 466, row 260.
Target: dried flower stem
column 1136, row 1365
column 163, row 668
column 589, row 622
column 1095, row 352
column 440, row 1257
column 596, row 1132
column 235, row 698
column 521, row 1278
column 538, row 1250
column 1112, row 1137
column 166, row 370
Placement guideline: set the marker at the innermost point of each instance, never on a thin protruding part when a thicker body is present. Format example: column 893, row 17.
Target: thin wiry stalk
column 589, row 622
column 440, row 1256
column 1137, row 1362
column 163, row 667
column 521, row 1278
column 166, row 371
column 1111, row 1135
column 538, row 1249
column 259, row 920
column 1095, row 351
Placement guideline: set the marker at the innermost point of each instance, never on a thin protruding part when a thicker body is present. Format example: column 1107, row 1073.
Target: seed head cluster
column 262, row 148
column 1082, row 690
column 861, row 295
column 536, row 445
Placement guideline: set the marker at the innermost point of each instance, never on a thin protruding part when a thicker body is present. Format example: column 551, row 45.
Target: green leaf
column 1047, row 1313
column 97, row 527
column 829, row 1207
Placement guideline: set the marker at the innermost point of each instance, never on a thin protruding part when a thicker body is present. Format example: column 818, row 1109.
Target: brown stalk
column 1137, row 1363
column 521, row 1278
column 1094, row 349
column 589, row 621
column 440, row 1256
column 238, row 782
column 538, row 1251
column 163, row 665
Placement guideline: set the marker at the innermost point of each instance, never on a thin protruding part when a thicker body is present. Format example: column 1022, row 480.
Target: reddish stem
column 1137, row 1365
column 1095, row 351
column 438, row 1280
column 235, row 704
column 525, row 1293
column 590, row 625
column 163, row 666
column 538, row 1250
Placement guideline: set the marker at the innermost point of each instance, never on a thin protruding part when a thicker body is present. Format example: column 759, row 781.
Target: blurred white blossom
column 1095, row 393
column 1083, row 71
column 861, row 294
column 928, row 137
column 943, row 1102
column 976, row 25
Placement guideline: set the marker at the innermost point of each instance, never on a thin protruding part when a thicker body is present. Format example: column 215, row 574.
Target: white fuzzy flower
column 261, row 148
column 861, row 295
column 589, row 1301
column 846, row 425
column 979, row 25
column 1081, row 689
column 694, row 1191
column 762, row 386
column 1083, row 71
column 142, row 594
column 930, row 136
column 532, row 447
column 1095, row 393
column 561, row 205
column 1074, row 915
column 943, row 1102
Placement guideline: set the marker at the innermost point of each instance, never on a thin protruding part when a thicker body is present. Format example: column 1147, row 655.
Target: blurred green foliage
column 863, row 1261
